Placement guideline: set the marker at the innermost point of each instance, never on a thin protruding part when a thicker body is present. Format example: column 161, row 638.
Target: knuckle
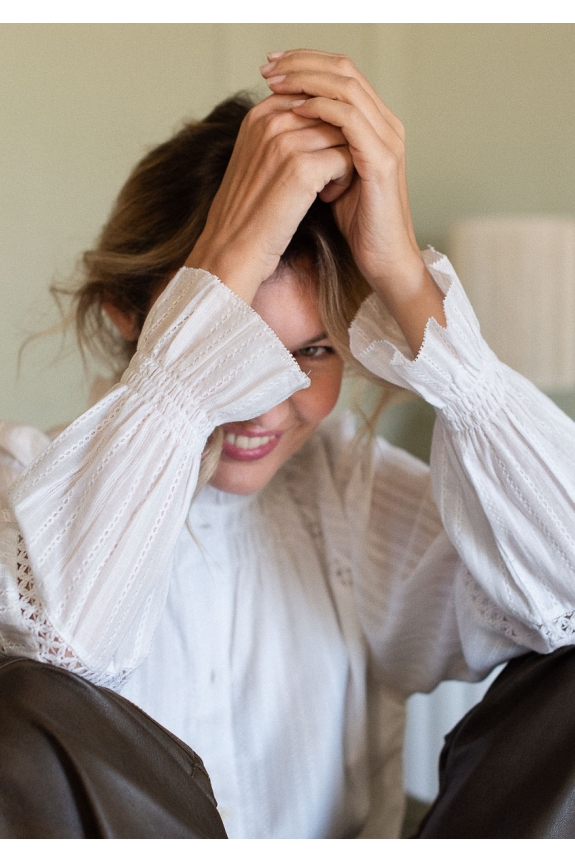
column 351, row 113
column 390, row 163
column 400, row 129
column 279, row 148
column 300, row 166
column 345, row 66
column 399, row 152
column 353, row 87
column 255, row 113
column 275, row 124
column 252, row 118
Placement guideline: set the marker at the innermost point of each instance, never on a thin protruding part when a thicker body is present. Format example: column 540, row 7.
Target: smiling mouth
column 248, row 447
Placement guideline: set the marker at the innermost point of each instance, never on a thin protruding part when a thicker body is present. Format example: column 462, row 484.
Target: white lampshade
column 519, row 273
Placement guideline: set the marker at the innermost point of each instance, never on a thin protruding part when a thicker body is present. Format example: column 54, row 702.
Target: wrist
column 239, row 272
column 400, row 281
column 412, row 297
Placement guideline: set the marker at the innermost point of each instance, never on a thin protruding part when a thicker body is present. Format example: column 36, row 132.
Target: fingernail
column 297, row 103
column 276, row 79
column 267, row 68
column 275, row 55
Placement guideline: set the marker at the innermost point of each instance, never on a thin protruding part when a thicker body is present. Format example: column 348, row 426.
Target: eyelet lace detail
column 493, row 616
column 554, row 633
column 51, row 648
column 561, row 630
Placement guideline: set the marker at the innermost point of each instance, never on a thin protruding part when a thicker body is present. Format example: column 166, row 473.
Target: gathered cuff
column 455, row 370
column 204, row 353
column 101, row 508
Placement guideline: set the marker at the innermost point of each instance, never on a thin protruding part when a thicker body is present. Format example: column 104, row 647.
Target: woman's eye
column 315, row 351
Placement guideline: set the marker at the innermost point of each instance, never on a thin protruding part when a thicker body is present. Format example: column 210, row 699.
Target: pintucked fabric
column 283, row 631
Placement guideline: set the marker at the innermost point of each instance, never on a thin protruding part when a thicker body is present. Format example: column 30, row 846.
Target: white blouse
column 283, row 630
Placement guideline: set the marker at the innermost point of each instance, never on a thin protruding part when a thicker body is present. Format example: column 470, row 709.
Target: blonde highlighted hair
column 157, row 219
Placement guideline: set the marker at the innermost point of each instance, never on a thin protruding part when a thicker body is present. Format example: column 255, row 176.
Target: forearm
column 100, row 510
column 412, row 297
column 502, row 474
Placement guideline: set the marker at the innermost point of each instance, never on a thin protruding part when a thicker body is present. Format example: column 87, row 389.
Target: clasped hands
column 323, row 131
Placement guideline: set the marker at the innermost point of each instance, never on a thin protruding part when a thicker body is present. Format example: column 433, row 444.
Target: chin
column 234, row 478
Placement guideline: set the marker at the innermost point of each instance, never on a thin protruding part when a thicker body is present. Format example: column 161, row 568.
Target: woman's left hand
column 373, row 212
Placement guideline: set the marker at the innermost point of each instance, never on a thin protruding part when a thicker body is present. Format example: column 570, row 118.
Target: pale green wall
column 490, row 115
column 491, row 119
column 489, row 110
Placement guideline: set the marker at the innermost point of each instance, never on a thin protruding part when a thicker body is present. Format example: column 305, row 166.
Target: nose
column 276, row 417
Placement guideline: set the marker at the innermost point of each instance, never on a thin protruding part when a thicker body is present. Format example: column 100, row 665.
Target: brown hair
column 156, row 221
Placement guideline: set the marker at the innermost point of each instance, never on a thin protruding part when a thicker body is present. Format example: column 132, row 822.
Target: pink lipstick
column 241, row 444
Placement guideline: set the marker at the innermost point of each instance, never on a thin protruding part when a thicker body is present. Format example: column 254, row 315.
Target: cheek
column 316, row 402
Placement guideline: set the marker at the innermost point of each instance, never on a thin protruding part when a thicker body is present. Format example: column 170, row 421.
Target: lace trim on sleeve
column 488, row 611
column 51, row 648
column 560, row 631
column 552, row 633
column 455, row 370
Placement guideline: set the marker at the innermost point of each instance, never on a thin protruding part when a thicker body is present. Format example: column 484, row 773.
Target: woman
column 278, row 622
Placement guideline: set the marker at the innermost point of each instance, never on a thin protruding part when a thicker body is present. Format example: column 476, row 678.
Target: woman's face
column 253, row 451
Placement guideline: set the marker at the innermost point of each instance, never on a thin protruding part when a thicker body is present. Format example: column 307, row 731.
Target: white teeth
column 243, row 442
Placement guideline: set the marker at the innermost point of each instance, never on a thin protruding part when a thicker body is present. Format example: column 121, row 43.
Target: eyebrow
column 321, row 337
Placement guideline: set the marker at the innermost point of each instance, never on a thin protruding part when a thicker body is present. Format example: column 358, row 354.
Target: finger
column 273, row 116
column 369, row 156
column 366, row 144
column 337, row 187
column 279, row 128
column 301, row 60
column 275, row 105
column 333, row 169
column 280, row 143
column 263, row 123
column 339, row 89
column 309, row 140
column 284, row 63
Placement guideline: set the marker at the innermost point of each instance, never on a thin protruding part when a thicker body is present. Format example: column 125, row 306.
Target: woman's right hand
column 279, row 164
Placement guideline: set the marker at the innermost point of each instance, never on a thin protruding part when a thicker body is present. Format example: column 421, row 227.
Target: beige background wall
column 489, row 110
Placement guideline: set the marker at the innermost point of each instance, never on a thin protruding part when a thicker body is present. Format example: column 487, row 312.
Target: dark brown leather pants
column 78, row 761
column 507, row 770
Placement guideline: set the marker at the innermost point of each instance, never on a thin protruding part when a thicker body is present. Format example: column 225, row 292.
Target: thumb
column 340, row 183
